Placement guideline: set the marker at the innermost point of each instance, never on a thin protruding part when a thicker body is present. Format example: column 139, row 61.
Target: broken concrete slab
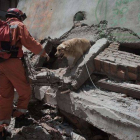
column 131, row 90
column 107, row 111
column 50, row 96
column 40, row 92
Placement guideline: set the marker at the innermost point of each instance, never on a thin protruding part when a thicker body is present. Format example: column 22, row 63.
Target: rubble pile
column 52, row 125
column 110, row 57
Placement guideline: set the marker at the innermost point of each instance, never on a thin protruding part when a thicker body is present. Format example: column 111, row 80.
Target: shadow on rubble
column 40, row 129
column 31, row 133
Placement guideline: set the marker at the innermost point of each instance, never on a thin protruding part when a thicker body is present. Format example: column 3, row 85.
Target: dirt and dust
column 50, row 124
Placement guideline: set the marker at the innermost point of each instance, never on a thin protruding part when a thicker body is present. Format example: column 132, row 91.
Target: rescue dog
column 72, row 49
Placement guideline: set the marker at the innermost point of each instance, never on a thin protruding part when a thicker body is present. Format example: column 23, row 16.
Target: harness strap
column 6, row 46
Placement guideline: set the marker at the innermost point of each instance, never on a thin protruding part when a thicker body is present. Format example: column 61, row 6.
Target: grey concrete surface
column 40, row 92
column 108, row 111
column 54, row 17
column 111, row 112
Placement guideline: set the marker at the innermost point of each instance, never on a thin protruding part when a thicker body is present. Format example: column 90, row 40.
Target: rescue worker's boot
column 23, row 120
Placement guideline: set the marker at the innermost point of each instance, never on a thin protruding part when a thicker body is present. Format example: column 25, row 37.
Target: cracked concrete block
column 50, row 96
column 105, row 111
column 40, row 92
column 86, row 64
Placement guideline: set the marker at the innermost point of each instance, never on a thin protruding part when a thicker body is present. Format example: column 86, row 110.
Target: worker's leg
column 6, row 102
column 19, row 81
column 6, row 99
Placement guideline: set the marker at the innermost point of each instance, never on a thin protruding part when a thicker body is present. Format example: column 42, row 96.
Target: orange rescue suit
column 12, row 74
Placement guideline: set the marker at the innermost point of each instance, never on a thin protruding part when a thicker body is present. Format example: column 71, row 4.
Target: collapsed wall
column 54, row 18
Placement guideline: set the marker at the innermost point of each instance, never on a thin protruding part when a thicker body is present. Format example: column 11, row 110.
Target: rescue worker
column 12, row 74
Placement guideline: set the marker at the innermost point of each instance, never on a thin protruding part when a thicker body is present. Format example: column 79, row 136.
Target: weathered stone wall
column 54, row 17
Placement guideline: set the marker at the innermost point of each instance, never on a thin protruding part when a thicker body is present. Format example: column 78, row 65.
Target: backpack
column 6, row 49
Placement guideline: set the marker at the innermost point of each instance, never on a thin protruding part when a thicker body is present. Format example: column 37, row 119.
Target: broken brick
column 132, row 69
column 121, row 74
column 106, row 67
column 102, row 66
column 111, row 59
column 138, row 77
column 132, row 76
column 113, row 68
column 138, row 73
column 97, row 64
column 138, row 69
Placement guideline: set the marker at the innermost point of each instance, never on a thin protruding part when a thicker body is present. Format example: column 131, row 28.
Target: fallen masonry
column 78, row 92
column 131, row 90
column 107, row 111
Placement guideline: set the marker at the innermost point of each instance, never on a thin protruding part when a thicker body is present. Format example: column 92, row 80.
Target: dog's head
column 61, row 50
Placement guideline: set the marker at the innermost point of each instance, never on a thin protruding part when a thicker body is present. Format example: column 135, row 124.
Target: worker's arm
column 29, row 42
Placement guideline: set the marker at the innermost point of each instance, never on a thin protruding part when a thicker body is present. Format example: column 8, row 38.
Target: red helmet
column 17, row 13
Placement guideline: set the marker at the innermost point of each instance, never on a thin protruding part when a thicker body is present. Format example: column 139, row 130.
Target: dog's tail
column 91, row 42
